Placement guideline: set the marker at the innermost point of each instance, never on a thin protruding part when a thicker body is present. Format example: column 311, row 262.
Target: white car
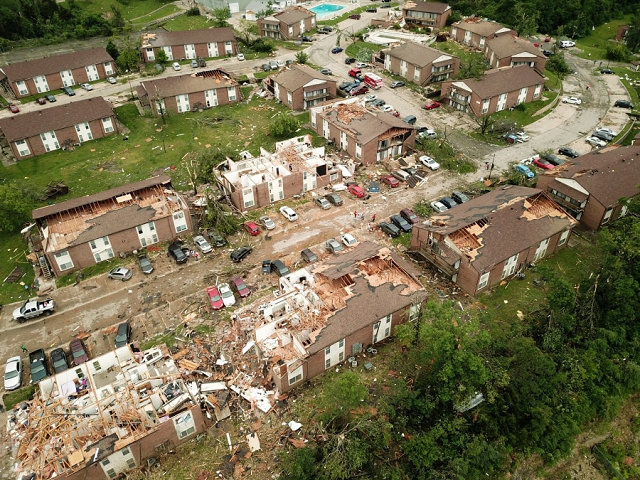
column 176, row 66
column 241, row 56
column 596, row 142
column 608, row 131
column 439, row 207
column 280, row 63
column 370, row 98
column 572, row 100
column 523, row 137
column 86, row 86
column 388, row 108
column 429, row 162
column 112, row 80
column 228, row 298
column 362, row 65
column 202, row 244
column 289, row 213
column 266, row 222
column 13, row 373
column 428, row 133
column 348, row 239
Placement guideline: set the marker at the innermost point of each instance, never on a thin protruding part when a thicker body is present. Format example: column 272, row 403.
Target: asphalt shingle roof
column 185, row 84
column 164, row 38
column 428, row 7
column 417, row 54
column 508, row 46
column 293, row 15
column 297, row 76
column 504, row 80
column 484, row 29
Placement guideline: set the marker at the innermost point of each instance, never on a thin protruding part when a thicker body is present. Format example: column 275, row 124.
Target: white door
column 542, row 250
column 50, row 141
column 67, row 78
column 502, row 102
column 92, row 72
column 510, row 266
column 41, row 83
column 168, row 52
column 382, row 329
column 190, row 51
column 522, row 97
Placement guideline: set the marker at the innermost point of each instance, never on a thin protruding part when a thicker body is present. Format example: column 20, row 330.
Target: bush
column 193, row 12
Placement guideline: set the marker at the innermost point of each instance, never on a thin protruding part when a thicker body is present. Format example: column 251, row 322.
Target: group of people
column 355, row 215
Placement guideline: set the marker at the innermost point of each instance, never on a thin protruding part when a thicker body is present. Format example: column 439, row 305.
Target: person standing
column 355, row 214
column 24, row 349
column 373, row 218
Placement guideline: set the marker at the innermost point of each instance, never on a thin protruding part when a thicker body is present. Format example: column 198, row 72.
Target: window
column 107, row 124
column 484, row 279
column 23, row 148
column 327, row 363
column 333, row 177
column 414, row 312
column 184, row 425
column 140, row 231
column 295, row 376
column 152, row 226
column 231, row 91
column 105, row 240
column 63, row 259
column 105, row 462
column 96, row 366
column 327, row 351
column 289, row 98
column 248, row 203
column 111, row 473
column 179, row 222
column 563, row 237
column 607, row 215
column 485, row 106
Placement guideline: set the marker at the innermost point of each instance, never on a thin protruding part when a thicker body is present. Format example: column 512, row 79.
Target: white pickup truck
column 34, row 308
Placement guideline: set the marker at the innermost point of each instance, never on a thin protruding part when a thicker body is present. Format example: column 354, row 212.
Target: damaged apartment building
column 293, row 169
column 332, row 312
column 104, row 417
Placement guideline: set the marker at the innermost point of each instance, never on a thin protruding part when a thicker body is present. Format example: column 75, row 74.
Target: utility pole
column 492, row 163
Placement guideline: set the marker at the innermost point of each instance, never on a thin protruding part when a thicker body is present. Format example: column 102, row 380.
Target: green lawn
column 184, row 22
column 130, row 10
column 14, row 251
column 594, row 46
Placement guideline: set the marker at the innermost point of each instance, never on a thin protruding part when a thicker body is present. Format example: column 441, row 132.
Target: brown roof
column 55, row 64
column 291, row 15
column 509, row 45
column 163, row 38
column 360, row 123
column 30, row 124
column 189, row 83
column 504, row 80
column 482, row 28
column 428, row 7
column 100, row 196
column 115, row 221
column 297, row 76
column 417, row 54
column 606, row 175
column 500, row 224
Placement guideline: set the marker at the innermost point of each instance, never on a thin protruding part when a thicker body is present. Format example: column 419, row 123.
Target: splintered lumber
column 180, row 354
column 188, row 364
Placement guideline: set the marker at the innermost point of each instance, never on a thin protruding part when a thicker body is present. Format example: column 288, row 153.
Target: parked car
column 333, row 246
column 241, row 57
column 289, row 213
column 548, row 53
column 439, row 207
column 359, row 90
column 251, row 228
column 356, row 190
column 410, row 119
column 78, row 351
column 401, row 175
column 371, row 10
column 459, row 197
column 607, row 131
column 273, row 65
column 337, row 50
column 390, row 180
column 448, row 202
column 396, row 84
column 429, row 162
column 607, row 71
column 388, row 108
column 348, row 239
column 217, row 239
column 58, row 360
column 202, row 244
column 552, row 159
column 524, row 170
column 410, row 216
column 572, row 100
column 430, row 105
column 401, row 223
column 542, row 163
column 568, row 152
column 175, row 251
column 13, row 108
column 228, row 299
column 176, row 66
column 623, row 104
column 334, row 199
column 522, row 137
column 322, row 203
column 355, row 16
column 86, row 86
column 595, row 142
column 145, row 264
column 123, row 335
column 325, row 29
column 265, row 67
column 308, row 255
column 112, row 80
column 120, row 273
column 69, row 91
column 344, row 85
column 427, row 133
column 240, row 253
column 41, row 101
column 280, row 63
column 237, row 283
column 349, row 60
column 214, row 298
column 374, row 186
column 307, row 39
column 266, row 222
column 602, row 135
column 50, row 98
column 38, row 367
column 13, row 373
column 390, row 229
column 370, row 98
column 326, row 71
column 567, row 44
column 280, row 268
column 362, row 65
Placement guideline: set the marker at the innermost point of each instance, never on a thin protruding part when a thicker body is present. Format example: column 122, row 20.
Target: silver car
column 333, row 246
column 266, row 222
column 120, row 273
column 439, row 207
column 202, row 244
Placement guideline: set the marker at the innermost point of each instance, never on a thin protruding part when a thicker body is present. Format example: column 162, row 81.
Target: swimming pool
column 325, row 9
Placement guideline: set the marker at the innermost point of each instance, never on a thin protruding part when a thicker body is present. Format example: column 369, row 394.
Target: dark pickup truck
column 38, row 366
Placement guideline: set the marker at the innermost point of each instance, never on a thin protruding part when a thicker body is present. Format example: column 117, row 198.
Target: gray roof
column 508, row 45
column 115, row 221
column 504, row 80
column 30, row 124
column 291, row 15
column 55, row 64
column 100, row 196
column 417, row 54
column 297, row 76
column 482, row 28
column 428, row 7
column 189, row 83
column 164, row 38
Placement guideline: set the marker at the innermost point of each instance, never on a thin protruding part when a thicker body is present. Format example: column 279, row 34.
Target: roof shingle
column 189, row 83
column 417, row 54
column 164, row 38
column 428, row 7
column 504, row 80
column 297, row 76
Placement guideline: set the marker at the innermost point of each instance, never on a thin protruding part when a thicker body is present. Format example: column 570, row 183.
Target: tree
column 525, row 20
column 112, row 50
column 15, row 210
column 128, row 60
column 117, row 20
column 302, row 57
column 632, row 38
column 161, row 57
column 485, row 122
column 340, row 396
column 220, row 17
column 618, row 52
column 284, row 125
column 557, row 65
column 473, row 65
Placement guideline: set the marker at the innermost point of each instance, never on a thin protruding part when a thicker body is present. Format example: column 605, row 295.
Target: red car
column 542, row 163
column 390, row 180
column 359, row 90
column 395, row 113
column 239, row 286
column 78, row 351
column 430, row 105
column 41, row 101
column 14, row 108
column 214, row 298
column 356, row 190
column 547, row 39
column 252, row 228
column 355, row 16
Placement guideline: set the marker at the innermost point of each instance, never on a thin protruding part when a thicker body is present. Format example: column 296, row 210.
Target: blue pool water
column 325, row 9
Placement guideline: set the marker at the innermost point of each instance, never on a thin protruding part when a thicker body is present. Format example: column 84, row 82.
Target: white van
column 567, row 44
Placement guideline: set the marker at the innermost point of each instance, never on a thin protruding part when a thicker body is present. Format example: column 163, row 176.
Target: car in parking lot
column 378, row 102
column 216, row 239
column 251, row 228
column 542, row 163
column 176, row 66
column 41, row 101
column 58, row 360
column 370, row 98
column 13, row 373
column 572, row 100
column 607, row 131
column 266, row 222
column 273, row 65
column 325, row 29
column 524, row 170
column 334, row 199
column 13, row 108
column 237, row 284
column 431, row 104
column 607, row 71
column 448, row 202
column 228, row 298
column 123, row 334
column 552, row 159
column 349, row 60
column 595, row 142
column 371, row 10
column 265, row 67
column 326, row 71
column 438, row 207
column 214, row 298
column 355, row 16
column 307, row 39
column 623, row 104
column 390, row 229
column 429, row 162
column 409, row 215
column 280, row 268
column 390, row 180
column 348, row 239
column 356, row 190
column 568, row 152
column 308, row 255
column 548, row 53
column 289, row 213
column 145, row 264
column 202, row 244
column 333, row 246
column 86, row 86
column 459, row 197
column 240, row 253
column 387, row 108
column 175, row 251
column 410, row 119
column 396, row 84
column 112, row 80
column 50, row 98
column 241, row 57
column 359, row 90
column 78, row 351
column 426, row 134
column 362, row 65
column 120, row 273
column 322, row 203
column 69, row 91
column 602, row 135
column 280, row 63
column 401, row 223
column 337, row 50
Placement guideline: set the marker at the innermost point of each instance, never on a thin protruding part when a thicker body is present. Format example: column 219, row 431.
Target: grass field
column 132, row 10
column 595, row 45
